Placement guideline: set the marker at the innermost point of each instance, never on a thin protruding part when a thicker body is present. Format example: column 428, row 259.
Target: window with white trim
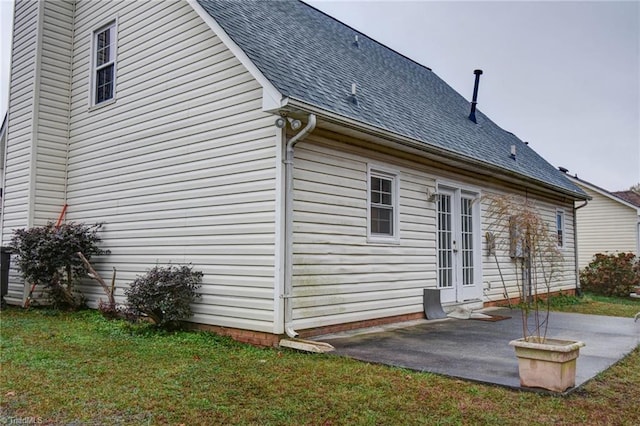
column 383, row 205
column 560, row 227
column 103, row 64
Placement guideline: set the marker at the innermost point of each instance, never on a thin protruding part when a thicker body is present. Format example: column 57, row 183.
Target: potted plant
column 537, row 261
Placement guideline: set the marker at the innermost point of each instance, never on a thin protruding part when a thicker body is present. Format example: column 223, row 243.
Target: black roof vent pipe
column 474, row 102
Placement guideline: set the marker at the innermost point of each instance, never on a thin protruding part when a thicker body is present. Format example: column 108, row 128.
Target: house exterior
column 3, row 143
column 608, row 223
column 319, row 179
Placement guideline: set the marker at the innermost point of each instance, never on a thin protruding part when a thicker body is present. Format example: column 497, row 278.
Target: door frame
column 460, row 293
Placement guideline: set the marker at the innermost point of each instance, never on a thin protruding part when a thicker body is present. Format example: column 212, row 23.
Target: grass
column 597, row 305
column 78, row 368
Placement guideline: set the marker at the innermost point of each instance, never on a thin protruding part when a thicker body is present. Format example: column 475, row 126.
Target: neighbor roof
column 629, row 196
column 313, row 58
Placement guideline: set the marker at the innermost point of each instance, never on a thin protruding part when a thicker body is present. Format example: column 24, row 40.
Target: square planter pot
column 549, row 365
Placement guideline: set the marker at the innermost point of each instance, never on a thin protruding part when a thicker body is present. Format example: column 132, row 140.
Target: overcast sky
column 564, row 76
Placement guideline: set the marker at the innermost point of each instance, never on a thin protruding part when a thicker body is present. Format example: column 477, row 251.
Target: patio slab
column 479, row 350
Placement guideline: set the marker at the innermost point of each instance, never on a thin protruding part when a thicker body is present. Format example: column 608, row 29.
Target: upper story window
column 383, row 206
column 560, row 227
column 103, row 64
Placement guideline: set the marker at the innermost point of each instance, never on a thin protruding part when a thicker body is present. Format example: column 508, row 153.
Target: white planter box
column 550, row 365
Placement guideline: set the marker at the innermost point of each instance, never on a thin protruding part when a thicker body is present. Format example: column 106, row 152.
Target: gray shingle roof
column 311, row 57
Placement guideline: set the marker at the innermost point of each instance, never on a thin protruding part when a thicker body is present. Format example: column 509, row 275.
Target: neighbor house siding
column 605, row 226
column 20, row 131
column 181, row 168
column 338, row 276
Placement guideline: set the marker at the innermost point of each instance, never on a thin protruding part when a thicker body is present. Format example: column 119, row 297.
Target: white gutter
column 288, row 215
column 575, row 243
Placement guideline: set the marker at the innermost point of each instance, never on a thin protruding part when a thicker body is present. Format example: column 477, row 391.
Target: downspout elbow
column 311, row 125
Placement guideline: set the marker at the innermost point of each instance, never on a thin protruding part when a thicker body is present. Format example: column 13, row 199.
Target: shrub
column 164, row 294
column 611, row 274
column 48, row 256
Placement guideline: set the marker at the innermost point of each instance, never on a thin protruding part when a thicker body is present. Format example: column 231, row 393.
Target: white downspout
column 288, row 214
column 575, row 244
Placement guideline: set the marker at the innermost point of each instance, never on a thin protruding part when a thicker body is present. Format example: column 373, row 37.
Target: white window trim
column 563, row 229
column 394, row 176
column 92, row 64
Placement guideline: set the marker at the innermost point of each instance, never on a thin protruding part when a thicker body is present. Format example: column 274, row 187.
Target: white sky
column 564, row 76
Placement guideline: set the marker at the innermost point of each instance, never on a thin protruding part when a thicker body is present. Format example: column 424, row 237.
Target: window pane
column 381, row 221
column 103, row 50
column 386, row 185
column 375, row 197
column 104, row 84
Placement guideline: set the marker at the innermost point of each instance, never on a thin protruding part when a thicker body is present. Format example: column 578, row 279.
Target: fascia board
column 421, row 146
column 271, row 97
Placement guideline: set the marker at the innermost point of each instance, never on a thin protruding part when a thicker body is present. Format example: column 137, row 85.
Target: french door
column 458, row 244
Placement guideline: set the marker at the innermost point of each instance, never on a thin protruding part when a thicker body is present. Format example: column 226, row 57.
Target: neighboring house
column 159, row 119
column 608, row 223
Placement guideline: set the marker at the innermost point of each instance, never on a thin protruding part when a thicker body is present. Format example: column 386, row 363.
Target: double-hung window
column 560, row 227
column 103, row 64
column 383, row 205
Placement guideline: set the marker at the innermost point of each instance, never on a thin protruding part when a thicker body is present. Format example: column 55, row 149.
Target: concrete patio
column 479, row 350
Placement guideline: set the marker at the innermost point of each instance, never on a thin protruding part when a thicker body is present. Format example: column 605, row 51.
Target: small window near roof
column 103, row 64
column 560, row 227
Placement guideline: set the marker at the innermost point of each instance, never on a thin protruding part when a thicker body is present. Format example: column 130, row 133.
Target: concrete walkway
column 479, row 350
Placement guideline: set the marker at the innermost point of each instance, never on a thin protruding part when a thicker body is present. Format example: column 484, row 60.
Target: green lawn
column 77, row 368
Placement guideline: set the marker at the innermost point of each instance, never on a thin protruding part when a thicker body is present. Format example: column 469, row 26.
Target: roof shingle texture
column 311, row 57
column 629, row 196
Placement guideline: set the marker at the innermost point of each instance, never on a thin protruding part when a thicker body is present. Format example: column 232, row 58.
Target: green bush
column 48, row 256
column 611, row 274
column 164, row 294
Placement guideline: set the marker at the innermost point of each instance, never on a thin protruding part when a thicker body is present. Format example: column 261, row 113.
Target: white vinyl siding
column 39, row 111
column 605, row 225
column 20, row 122
column 20, row 132
column 53, row 111
column 493, row 274
column 338, row 275
column 182, row 169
